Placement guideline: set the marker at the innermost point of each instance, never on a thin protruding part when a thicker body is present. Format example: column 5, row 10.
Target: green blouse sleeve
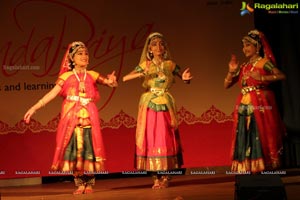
column 176, row 70
column 268, row 66
column 139, row 69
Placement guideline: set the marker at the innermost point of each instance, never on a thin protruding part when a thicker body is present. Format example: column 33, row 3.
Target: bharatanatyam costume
column 79, row 145
column 258, row 130
column 157, row 139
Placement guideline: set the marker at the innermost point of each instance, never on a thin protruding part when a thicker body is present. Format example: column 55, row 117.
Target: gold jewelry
column 160, row 69
column 142, row 74
column 81, row 82
column 187, row 81
column 256, row 60
column 274, row 77
column 42, row 103
column 262, row 78
column 101, row 79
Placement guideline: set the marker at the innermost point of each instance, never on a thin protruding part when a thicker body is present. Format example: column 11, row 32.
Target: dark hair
column 72, row 50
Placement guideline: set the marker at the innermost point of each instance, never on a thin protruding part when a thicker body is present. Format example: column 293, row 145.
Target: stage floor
column 182, row 187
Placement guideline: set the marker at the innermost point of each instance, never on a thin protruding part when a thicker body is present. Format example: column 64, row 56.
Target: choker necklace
column 81, row 82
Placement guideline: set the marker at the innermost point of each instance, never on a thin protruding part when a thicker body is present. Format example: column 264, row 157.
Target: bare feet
column 80, row 190
column 88, row 190
column 156, row 184
column 164, row 183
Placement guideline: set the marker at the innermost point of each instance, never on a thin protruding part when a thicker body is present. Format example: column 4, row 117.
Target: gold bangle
column 101, row 79
column 42, row 103
column 142, row 74
column 187, row 81
column 262, row 78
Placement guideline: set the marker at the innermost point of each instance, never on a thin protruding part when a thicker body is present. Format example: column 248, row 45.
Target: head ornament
column 258, row 39
column 67, row 61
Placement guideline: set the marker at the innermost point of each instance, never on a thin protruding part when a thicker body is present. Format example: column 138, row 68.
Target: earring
column 149, row 55
column 165, row 55
column 257, row 48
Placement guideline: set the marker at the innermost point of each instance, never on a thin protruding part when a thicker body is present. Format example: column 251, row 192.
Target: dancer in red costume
column 79, row 146
column 157, row 140
column 258, row 129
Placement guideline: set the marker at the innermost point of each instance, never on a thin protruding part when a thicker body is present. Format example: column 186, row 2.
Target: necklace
column 255, row 61
column 246, row 74
column 159, row 65
column 81, row 82
column 160, row 70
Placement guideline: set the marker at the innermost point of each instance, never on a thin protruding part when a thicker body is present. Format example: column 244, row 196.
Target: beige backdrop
column 34, row 34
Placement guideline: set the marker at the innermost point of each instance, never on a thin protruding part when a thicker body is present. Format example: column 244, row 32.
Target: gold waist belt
column 158, row 91
column 247, row 89
column 83, row 101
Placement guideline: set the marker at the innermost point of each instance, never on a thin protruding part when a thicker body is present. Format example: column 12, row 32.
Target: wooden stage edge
column 196, row 183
